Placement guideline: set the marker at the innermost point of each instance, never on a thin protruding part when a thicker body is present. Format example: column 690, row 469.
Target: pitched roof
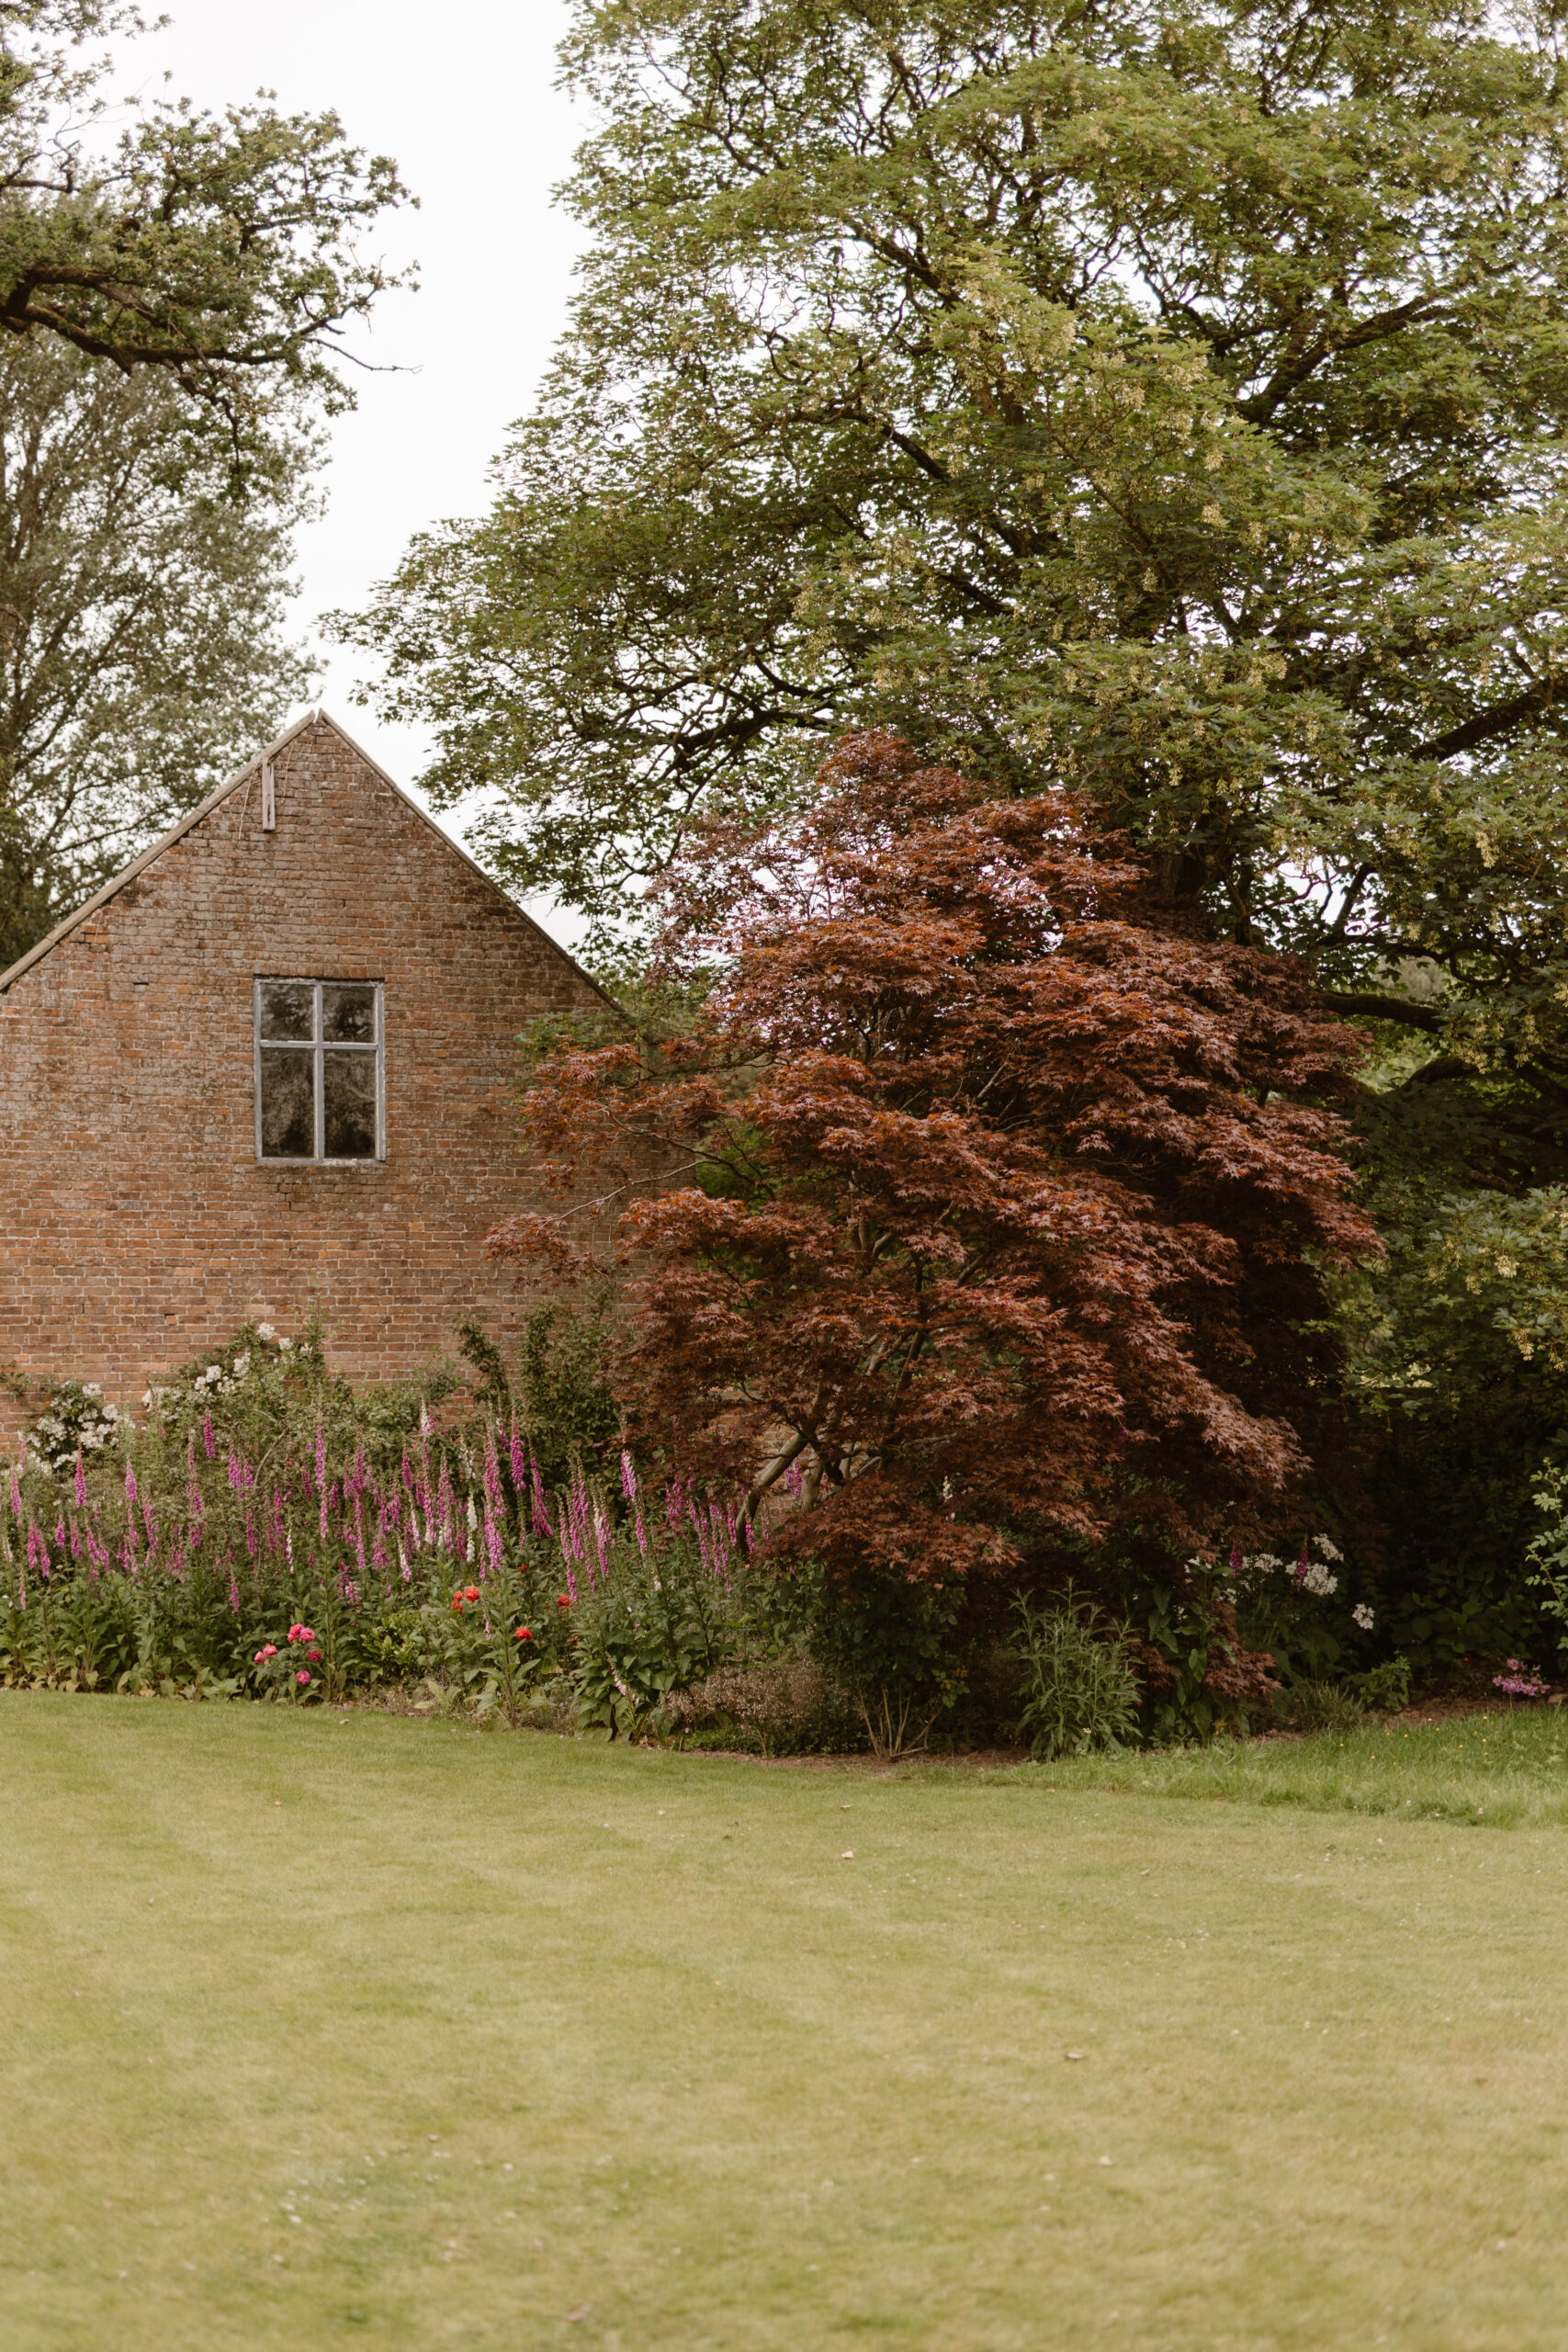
column 150, row 856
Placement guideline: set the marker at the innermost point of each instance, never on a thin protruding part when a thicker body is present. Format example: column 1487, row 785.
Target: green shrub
column 1384, row 1690
column 888, row 1640
column 1080, row 1691
column 1323, row 1706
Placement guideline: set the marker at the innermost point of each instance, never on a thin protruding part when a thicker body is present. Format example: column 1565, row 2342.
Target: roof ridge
column 117, row 882
column 193, row 816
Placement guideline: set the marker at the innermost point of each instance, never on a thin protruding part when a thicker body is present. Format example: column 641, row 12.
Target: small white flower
column 242, row 1366
column 1363, row 1616
column 1330, row 1551
column 286, row 1343
column 265, row 1331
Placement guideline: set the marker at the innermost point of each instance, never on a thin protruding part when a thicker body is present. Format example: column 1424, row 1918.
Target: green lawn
column 366, row 2030
column 1506, row 1770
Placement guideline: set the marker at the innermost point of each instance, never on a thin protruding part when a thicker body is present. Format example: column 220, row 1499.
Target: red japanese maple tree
column 1003, row 1209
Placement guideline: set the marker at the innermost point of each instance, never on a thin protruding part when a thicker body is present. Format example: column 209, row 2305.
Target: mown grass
column 362, row 2030
column 1506, row 1769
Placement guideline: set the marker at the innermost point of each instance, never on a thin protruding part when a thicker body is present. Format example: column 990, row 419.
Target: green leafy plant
column 1080, row 1691
column 1199, row 1675
column 1383, row 1690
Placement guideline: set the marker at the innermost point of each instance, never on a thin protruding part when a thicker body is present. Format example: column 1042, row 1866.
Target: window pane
column 287, row 1106
column 350, row 1083
column 348, row 1013
column 288, row 1009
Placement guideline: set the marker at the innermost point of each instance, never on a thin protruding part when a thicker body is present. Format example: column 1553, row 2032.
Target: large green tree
column 143, row 651
column 1168, row 397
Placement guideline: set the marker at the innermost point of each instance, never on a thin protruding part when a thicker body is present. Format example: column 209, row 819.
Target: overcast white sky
column 462, row 96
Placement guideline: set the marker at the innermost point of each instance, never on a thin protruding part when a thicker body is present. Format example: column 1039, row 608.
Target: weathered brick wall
column 136, row 1227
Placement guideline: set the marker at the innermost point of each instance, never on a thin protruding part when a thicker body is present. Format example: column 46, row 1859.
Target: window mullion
column 321, row 1082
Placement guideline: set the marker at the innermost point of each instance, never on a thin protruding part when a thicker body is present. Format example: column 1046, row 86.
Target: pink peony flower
column 312, row 1653
column 301, row 1677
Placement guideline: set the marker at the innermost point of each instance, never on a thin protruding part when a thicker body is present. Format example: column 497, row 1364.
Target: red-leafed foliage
column 1003, row 1205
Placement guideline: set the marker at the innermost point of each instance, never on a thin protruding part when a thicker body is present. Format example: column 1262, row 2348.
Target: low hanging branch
column 1011, row 1188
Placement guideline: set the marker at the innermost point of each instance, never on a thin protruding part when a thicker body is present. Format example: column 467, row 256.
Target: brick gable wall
column 136, row 1227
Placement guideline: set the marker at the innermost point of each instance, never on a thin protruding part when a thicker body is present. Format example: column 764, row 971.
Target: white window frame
column 317, row 1046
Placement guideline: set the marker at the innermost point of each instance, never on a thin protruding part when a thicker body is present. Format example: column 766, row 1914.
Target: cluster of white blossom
column 77, row 1421
column 218, row 1380
column 1312, row 1570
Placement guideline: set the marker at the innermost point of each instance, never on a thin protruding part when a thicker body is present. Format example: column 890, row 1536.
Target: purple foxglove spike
column 129, row 1488
column 81, row 1485
column 519, row 1460
column 628, row 1476
column 207, row 1439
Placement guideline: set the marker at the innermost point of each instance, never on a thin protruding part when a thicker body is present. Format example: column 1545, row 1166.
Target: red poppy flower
column 457, row 1602
column 563, row 1601
column 521, row 1634
column 470, row 1592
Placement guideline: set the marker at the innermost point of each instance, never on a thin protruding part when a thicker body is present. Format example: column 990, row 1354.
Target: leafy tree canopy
column 1166, row 398
column 142, row 653
column 223, row 251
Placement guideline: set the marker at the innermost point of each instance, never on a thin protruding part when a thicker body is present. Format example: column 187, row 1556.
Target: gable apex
column 310, row 719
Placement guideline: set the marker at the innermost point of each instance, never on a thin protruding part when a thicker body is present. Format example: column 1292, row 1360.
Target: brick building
column 266, row 1072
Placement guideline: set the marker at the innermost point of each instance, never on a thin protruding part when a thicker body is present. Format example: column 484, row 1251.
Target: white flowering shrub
column 76, row 1420
column 1280, row 1603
